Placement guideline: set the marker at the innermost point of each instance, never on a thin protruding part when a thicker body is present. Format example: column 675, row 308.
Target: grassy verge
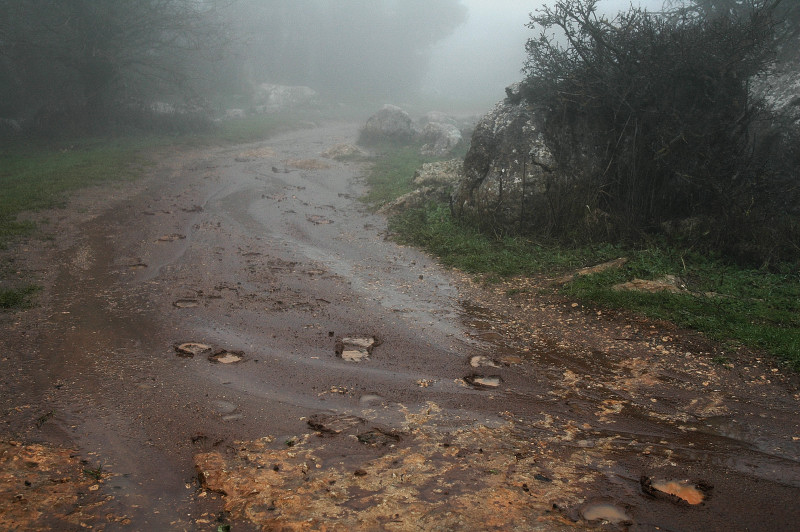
column 36, row 175
column 33, row 176
column 735, row 306
column 392, row 172
column 18, row 298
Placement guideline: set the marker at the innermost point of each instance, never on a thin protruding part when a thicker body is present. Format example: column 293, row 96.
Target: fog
column 84, row 63
column 484, row 55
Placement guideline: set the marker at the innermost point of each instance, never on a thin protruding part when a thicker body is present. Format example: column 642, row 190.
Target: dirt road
column 233, row 342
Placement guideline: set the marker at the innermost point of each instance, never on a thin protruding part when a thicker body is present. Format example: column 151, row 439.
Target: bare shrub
column 651, row 121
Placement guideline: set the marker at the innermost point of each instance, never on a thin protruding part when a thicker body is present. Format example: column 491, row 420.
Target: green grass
column 433, row 229
column 732, row 305
column 17, row 298
column 735, row 306
column 393, row 170
column 251, row 128
column 391, row 173
column 35, row 175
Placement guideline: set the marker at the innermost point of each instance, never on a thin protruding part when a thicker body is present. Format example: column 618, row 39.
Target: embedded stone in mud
column 171, row 238
column 190, row 349
column 482, row 361
column 378, row 438
column 604, row 511
column 226, row 357
column 333, row 424
column 316, row 219
column 677, row 490
column 353, row 349
column 483, row 381
column 186, row 303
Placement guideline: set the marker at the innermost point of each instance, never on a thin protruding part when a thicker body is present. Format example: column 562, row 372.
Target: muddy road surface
column 233, row 343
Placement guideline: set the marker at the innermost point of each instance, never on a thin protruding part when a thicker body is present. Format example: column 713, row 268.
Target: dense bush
column 654, row 128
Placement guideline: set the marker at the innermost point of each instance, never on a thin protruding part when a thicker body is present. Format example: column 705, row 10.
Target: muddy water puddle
column 191, row 349
column 605, row 511
column 354, row 348
column 483, row 382
column 692, row 493
column 226, row 357
column 186, row 303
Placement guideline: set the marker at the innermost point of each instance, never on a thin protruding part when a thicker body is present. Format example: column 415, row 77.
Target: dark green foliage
column 84, row 65
column 653, row 126
column 17, row 298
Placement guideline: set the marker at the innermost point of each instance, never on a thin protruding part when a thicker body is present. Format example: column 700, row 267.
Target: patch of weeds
column 41, row 420
column 94, row 473
column 291, row 442
column 515, row 291
column 17, row 298
column 721, row 360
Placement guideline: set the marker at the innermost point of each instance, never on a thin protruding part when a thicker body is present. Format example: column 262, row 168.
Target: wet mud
column 233, row 341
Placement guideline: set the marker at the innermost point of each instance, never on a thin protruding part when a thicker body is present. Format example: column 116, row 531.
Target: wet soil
column 184, row 369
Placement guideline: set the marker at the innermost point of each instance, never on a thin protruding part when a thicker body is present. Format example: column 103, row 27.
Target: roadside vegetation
column 38, row 174
column 698, row 187
column 735, row 305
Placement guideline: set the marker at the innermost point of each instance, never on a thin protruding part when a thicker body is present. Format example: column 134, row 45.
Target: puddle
column 604, row 511
column 226, row 357
column 483, row 381
column 223, row 407
column 190, row 349
column 370, row 400
column 378, row 438
column 686, row 491
column 353, row 349
column 482, row 361
column 186, row 303
column 333, row 424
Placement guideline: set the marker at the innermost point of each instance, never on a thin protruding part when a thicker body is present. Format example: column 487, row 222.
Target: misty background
column 91, row 65
column 486, row 53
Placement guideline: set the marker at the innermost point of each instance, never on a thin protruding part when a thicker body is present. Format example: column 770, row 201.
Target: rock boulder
column 507, row 168
column 440, row 138
column 270, row 98
column 389, row 124
column 434, row 182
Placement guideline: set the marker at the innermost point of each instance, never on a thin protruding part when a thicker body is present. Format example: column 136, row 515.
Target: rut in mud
column 234, row 340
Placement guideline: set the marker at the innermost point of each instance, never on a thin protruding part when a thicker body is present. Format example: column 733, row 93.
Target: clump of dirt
column 475, row 478
column 342, row 151
column 307, row 164
column 258, row 153
column 46, row 488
